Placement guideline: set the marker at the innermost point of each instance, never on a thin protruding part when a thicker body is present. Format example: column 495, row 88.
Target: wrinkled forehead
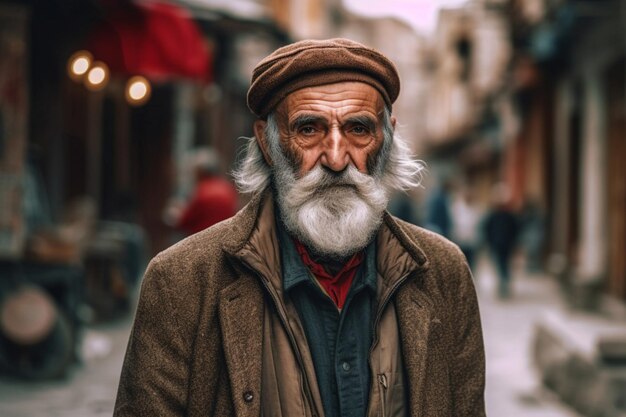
column 336, row 99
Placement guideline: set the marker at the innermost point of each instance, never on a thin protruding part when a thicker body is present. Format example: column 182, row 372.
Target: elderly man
column 312, row 300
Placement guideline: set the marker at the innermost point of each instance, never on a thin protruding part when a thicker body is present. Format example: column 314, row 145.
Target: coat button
column 248, row 396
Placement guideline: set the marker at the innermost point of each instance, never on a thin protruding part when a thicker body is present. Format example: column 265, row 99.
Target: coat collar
column 253, row 233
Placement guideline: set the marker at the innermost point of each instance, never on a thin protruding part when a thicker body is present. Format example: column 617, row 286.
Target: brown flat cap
column 311, row 63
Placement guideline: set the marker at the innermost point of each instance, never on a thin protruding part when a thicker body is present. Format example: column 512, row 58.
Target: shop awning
column 154, row 39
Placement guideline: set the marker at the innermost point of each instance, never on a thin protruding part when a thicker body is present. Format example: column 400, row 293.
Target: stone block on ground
column 580, row 357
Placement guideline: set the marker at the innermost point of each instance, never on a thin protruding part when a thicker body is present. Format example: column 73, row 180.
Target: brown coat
column 197, row 342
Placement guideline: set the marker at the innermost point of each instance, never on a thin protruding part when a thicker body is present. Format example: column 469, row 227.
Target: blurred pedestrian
column 466, row 221
column 501, row 235
column 312, row 300
column 438, row 217
column 403, row 207
column 213, row 199
column 532, row 234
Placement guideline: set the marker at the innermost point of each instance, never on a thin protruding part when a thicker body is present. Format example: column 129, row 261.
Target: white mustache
column 320, row 179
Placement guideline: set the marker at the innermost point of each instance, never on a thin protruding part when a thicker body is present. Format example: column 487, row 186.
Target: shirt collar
column 296, row 273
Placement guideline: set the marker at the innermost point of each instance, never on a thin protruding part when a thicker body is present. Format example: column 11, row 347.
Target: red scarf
column 338, row 286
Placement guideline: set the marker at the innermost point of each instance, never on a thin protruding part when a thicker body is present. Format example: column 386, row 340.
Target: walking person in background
column 466, row 222
column 213, row 199
column 403, row 207
column 532, row 234
column 438, row 216
column 501, row 235
column 312, row 300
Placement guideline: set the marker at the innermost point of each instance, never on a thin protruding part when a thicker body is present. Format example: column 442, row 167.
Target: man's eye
column 307, row 130
column 359, row 130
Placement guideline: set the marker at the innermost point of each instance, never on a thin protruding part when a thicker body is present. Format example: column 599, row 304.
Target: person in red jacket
column 214, row 198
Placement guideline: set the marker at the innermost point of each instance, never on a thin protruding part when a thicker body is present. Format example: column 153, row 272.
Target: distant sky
column 421, row 14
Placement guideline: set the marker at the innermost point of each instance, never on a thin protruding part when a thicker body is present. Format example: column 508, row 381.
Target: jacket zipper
column 381, row 307
column 379, row 313
column 283, row 318
column 382, row 382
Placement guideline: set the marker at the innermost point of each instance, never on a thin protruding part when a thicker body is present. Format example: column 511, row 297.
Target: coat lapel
column 241, row 319
column 241, row 308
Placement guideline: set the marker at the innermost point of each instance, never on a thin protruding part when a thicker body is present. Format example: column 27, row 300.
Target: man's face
column 328, row 138
column 334, row 125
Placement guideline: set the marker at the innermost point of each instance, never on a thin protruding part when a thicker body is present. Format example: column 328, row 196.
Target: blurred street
column 513, row 389
column 116, row 142
column 88, row 391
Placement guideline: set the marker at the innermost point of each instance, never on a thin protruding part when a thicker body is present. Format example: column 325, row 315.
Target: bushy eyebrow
column 306, row 119
column 362, row 120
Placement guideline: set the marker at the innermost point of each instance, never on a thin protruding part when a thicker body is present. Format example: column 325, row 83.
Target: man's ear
column 259, row 134
column 393, row 122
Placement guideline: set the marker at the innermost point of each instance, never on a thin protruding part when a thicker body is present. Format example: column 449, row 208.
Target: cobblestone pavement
column 512, row 388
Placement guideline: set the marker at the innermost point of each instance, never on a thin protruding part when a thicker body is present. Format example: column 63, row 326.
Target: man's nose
column 336, row 156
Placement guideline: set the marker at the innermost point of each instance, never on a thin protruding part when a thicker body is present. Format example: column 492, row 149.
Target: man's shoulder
column 428, row 241
column 439, row 254
column 202, row 254
column 199, row 245
column 445, row 274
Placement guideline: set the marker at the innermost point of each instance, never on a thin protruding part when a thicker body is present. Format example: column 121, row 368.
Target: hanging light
column 78, row 65
column 98, row 76
column 138, row 90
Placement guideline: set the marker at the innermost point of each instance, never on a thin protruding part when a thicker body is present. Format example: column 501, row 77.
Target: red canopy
column 157, row 40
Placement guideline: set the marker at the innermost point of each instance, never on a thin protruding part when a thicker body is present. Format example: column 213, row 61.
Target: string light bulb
column 138, row 90
column 97, row 77
column 78, row 64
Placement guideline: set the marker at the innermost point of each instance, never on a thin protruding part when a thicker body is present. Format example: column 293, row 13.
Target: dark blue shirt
column 339, row 341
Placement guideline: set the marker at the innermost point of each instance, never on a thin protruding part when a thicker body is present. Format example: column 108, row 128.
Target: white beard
column 335, row 215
